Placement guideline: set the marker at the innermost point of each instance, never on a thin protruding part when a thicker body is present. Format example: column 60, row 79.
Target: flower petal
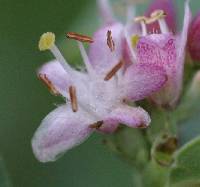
column 61, row 130
column 169, row 8
column 194, row 38
column 56, row 74
column 106, row 11
column 158, row 49
column 131, row 116
column 181, row 53
column 141, row 80
column 59, row 78
column 101, row 57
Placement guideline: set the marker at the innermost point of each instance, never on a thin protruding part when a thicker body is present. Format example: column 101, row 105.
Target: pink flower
column 164, row 49
column 194, row 38
column 95, row 98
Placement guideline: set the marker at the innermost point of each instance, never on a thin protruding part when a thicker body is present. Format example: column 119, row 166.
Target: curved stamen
column 159, row 15
column 142, row 21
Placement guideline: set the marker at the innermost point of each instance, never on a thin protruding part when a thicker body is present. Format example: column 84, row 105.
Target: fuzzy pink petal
column 131, row 116
column 57, row 75
column 159, row 49
column 59, row 78
column 61, row 130
column 169, row 7
column 194, row 38
column 141, row 80
column 101, row 57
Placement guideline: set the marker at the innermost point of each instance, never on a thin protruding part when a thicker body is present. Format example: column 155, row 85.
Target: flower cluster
column 126, row 63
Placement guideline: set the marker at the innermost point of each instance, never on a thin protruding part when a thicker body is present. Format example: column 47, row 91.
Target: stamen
column 73, row 98
column 110, row 41
column 96, row 125
column 113, row 71
column 159, row 15
column 48, row 83
column 79, row 37
column 142, row 20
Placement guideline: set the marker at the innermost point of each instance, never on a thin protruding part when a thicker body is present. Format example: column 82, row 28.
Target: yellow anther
column 47, row 41
column 155, row 16
column 134, row 40
column 140, row 19
column 158, row 13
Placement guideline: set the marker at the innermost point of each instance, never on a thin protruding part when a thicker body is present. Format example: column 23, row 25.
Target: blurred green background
column 25, row 101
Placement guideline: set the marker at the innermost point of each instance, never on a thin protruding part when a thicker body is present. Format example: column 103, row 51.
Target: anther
column 140, row 19
column 159, row 15
column 48, row 83
column 113, row 71
column 46, row 41
column 134, row 40
column 79, row 37
column 155, row 16
column 96, row 125
column 110, row 41
column 73, row 98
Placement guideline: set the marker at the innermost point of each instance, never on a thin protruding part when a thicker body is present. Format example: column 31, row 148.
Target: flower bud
column 194, row 38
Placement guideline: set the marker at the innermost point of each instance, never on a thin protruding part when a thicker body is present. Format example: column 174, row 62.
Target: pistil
column 47, row 42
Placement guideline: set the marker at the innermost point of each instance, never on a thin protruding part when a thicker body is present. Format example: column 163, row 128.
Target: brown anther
column 73, row 98
column 110, row 42
column 79, row 37
column 140, row 19
column 48, row 83
column 96, row 125
column 113, row 71
column 142, row 126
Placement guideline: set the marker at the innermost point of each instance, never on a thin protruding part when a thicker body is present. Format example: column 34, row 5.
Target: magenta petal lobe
column 141, row 80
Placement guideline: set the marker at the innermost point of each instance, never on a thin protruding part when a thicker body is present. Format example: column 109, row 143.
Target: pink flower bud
column 194, row 38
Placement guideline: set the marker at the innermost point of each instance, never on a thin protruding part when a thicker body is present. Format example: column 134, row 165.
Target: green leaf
column 4, row 179
column 186, row 170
